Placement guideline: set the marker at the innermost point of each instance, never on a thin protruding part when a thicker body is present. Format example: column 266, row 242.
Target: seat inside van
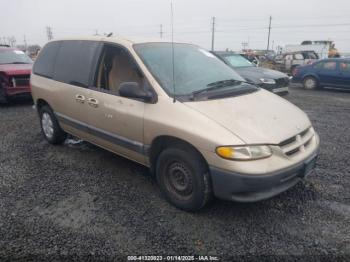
column 116, row 67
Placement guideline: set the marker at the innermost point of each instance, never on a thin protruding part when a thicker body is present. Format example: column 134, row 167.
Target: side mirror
column 133, row 90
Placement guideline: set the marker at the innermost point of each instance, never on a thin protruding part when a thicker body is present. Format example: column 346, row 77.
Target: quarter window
column 345, row 66
column 45, row 62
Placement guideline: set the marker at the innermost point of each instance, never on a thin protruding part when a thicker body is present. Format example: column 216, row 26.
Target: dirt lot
column 79, row 202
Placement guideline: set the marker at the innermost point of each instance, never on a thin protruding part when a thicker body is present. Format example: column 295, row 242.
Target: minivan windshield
column 237, row 60
column 195, row 69
column 11, row 56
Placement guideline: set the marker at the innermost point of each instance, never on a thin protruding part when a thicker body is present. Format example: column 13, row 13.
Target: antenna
column 172, row 48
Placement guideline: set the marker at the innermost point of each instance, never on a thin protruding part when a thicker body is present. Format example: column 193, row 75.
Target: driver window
column 116, row 67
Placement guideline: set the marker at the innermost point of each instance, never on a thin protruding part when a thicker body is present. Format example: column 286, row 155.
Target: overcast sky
column 236, row 21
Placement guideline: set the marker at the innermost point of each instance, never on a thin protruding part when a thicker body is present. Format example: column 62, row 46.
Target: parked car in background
column 194, row 121
column 271, row 80
column 15, row 69
column 325, row 73
column 287, row 62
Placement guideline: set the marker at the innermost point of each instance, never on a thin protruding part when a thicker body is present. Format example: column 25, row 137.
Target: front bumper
column 281, row 86
column 251, row 188
column 12, row 91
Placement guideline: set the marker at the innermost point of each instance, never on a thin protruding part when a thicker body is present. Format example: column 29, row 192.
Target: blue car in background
column 324, row 73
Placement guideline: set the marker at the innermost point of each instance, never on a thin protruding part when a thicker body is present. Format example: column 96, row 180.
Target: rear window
column 74, row 62
column 45, row 63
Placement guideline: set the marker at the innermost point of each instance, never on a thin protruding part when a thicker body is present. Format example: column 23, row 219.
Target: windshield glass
column 194, row 67
column 10, row 56
column 237, row 61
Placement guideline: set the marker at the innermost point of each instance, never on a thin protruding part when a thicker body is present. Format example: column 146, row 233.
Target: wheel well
column 310, row 76
column 162, row 142
column 40, row 103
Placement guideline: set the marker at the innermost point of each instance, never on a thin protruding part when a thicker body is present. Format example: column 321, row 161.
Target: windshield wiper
column 217, row 85
column 19, row 63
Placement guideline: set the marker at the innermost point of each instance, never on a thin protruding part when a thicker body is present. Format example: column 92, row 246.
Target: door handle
column 80, row 98
column 93, row 102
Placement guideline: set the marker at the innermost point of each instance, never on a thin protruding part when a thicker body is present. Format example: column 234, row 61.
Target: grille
column 282, row 82
column 296, row 144
column 20, row 80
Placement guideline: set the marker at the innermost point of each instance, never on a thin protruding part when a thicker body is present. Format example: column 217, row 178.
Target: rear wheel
column 183, row 178
column 50, row 127
column 310, row 83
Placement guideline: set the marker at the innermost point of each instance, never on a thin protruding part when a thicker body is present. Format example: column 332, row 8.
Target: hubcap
column 179, row 180
column 47, row 125
column 310, row 83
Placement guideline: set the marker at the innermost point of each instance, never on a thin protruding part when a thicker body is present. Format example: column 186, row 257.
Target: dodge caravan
column 177, row 109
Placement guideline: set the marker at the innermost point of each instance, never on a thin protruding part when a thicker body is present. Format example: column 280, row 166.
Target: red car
column 15, row 69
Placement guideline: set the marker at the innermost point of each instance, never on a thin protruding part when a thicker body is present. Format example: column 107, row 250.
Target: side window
column 289, row 57
column 74, row 62
column 330, row 65
column 345, row 67
column 45, row 63
column 116, row 66
column 298, row 57
column 319, row 65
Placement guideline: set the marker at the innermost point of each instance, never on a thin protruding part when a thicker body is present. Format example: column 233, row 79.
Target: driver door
column 116, row 123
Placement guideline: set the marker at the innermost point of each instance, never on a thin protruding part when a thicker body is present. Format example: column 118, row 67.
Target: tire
column 310, row 83
column 3, row 96
column 50, row 127
column 183, row 178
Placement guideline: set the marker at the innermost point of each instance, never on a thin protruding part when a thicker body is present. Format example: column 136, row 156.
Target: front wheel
column 183, row 178
column 3, row 95
column 50, row 127
column 310, row 83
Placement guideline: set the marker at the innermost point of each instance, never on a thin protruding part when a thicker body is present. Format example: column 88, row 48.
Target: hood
column 254, row 74
column 256, row 118
column 16, row 69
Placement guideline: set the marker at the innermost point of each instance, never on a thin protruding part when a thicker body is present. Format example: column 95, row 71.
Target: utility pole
column 213, row 33
column 244, row 46
column 96, row 32
column 161, row 31
column 268, row 38
column 49, row 33
column 25, row 42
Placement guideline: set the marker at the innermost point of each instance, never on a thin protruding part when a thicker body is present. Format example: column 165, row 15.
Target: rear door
column 327, row 72
column 72, row 75
column 344, row 74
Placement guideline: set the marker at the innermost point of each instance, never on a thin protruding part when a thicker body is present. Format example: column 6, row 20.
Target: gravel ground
column 79, row 202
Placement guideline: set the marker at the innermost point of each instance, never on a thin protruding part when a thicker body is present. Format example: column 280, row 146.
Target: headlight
column 244, row 152
column 268, row 81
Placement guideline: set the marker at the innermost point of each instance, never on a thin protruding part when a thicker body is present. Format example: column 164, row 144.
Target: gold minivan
column 177, row 109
